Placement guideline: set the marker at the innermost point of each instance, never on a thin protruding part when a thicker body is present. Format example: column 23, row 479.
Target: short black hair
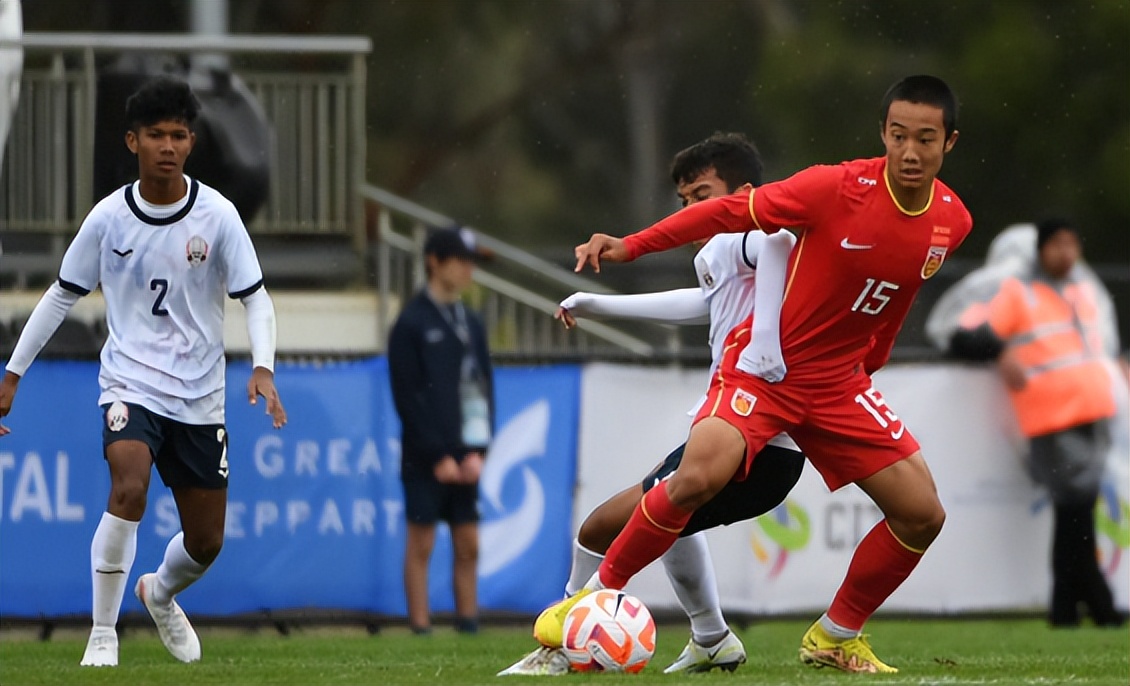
column 732, row 156
column 1049, row 227
column 924, row 90
column 163, row 98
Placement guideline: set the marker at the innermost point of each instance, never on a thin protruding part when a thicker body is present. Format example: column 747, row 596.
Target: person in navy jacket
column 442, row 386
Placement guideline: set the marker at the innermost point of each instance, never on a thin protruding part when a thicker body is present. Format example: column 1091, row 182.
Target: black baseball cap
column 447, row 243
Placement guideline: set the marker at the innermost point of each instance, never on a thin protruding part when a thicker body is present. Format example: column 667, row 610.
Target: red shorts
column 843, row 425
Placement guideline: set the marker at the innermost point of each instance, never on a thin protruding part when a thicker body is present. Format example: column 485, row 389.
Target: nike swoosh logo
column 846, row 245
column 119, row 253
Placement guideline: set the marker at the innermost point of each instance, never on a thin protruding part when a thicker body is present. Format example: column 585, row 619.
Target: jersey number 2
column 162, row 286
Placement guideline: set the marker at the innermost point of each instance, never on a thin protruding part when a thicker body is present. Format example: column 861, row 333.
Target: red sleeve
column 797, row 200
column 728, row 214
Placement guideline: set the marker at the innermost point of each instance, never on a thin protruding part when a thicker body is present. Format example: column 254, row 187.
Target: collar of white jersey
column 131, row 201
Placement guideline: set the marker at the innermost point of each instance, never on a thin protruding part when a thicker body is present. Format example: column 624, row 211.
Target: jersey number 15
column 872, row 299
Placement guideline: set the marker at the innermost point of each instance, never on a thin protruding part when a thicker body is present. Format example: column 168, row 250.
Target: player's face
column 705, row 186
column 161, row 149
column 1060, row 253
column 915, row 137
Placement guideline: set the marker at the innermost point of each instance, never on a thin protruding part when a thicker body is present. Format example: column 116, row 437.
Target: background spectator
column 440, row 372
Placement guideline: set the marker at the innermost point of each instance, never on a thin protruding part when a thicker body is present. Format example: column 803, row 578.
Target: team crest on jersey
column 196, row 250
column 939, row 246
column 934, row 258
column 742, row 402
column 117, row 416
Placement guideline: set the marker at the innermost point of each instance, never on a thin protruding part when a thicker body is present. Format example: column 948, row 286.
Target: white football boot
column 541, row 662
column 726, row 654
column 172, row 624
column 101, row 648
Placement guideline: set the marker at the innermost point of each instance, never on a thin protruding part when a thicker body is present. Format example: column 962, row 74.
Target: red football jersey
column 857, row 267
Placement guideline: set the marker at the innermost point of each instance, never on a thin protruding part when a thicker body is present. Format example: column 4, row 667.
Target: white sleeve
column 752, row 242
column 772, row 262
column 261, row 328
column 45, row 319
column 682, row 306
column 243, row 275
column 81, row 268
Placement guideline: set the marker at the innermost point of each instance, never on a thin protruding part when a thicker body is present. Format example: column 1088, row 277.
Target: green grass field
column 1012, row 652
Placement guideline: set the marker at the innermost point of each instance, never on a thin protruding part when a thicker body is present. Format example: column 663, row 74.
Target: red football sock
column 880, row 564
column 650, row 531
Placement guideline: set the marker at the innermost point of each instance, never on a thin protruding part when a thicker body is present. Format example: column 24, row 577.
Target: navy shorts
column 427, row 501
column 186, row 455
column 774, row 472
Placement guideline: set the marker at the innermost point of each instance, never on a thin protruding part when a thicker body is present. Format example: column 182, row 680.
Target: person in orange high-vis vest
column 1043, row 328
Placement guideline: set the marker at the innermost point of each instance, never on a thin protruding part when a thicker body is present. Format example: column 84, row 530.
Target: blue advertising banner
column 315, row 513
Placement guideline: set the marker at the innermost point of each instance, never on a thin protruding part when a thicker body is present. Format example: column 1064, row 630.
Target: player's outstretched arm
column 45, row 319
column 680, row 306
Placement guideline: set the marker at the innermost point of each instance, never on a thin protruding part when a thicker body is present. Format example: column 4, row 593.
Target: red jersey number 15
column 872, row 299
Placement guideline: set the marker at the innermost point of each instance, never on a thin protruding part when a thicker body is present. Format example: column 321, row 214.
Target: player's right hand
column 599, row 247
column 8, row 387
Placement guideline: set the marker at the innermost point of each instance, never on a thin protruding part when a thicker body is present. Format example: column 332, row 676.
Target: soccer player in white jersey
column 732, row 273
column 166, row 250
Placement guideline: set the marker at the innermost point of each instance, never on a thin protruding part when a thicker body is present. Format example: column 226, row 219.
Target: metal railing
column 316, row 181
column 317, row 120
column 518, row 316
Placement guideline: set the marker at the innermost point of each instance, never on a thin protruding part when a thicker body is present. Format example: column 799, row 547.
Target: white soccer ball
column 609, row 631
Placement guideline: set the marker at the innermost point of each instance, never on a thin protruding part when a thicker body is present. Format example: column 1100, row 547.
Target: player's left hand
column 262, row 383
column 565, row 317
column 471, row 468
column 599, row 247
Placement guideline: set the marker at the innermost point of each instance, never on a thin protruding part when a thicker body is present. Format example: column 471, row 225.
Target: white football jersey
column 726, row 269
column 164, row 271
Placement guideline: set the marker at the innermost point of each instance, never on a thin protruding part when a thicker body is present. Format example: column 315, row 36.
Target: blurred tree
column 543, row 121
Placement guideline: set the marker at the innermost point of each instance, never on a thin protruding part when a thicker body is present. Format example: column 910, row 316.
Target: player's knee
column 128, row 497
column 691, row 489
column 204, row 547
column 918, row 529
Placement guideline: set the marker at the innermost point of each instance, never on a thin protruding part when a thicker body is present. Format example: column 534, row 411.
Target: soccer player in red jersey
column 871, row 231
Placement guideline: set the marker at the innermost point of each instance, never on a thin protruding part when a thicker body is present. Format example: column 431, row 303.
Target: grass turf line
column 929, row 651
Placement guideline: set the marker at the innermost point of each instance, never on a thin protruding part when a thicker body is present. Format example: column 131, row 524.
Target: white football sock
column 691, row 571
column 111, row 557
column 835, row 630
column 585, row 564
column 594, row 583
column 177, row 572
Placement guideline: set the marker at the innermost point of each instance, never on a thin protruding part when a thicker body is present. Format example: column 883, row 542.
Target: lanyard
column 456, row 318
